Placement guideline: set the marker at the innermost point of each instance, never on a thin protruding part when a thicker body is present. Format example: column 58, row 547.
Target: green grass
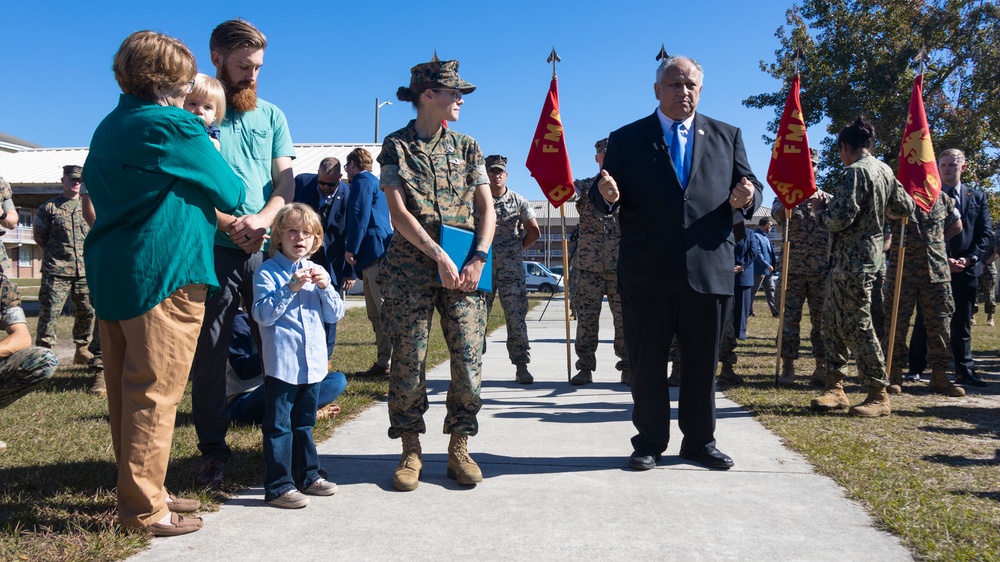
column 58, row 473
column 929, row 473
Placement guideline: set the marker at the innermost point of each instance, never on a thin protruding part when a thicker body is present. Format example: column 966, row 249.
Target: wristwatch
column 481, row 255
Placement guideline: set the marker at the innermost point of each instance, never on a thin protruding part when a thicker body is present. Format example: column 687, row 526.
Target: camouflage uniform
column 927, row 282
column 513, row 212
column 595, row 269
column 987, row 283
column 861, row 199
column 879, row 289
column 59, row 230
column 6, row 205
column 808, row 266
column 437, row 177
column 24, row 369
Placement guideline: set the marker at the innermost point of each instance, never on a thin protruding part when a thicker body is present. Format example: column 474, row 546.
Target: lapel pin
column 701, row 131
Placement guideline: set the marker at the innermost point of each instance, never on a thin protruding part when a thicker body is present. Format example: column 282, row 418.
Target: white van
column 539, row 279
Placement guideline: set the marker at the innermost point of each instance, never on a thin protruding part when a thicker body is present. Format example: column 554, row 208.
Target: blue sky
column 327, row 62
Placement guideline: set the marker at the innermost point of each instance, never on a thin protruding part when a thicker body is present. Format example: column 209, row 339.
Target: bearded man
column 255, row 141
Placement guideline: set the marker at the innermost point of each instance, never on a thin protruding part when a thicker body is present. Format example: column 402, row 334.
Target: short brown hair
column 147, row 59
column 296, row 212
column 360, row 158
column 236, row 34
column 958, row 154
column 329, row 164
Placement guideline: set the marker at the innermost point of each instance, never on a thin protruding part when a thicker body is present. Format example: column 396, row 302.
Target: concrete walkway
column 557, row 486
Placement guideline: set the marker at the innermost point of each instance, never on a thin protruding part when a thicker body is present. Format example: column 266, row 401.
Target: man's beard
column 241, row 97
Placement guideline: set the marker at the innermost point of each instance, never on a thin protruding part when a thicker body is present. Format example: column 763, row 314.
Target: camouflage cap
column 496, row 161
column 438, row 74
column 601, row 146
column 73, row 171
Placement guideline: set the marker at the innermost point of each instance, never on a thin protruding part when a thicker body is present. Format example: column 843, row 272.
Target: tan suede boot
column 83, row 355
column 818, row 376
column 895, row 382
column 461, row 467
column 407, row 475
column 876, row 404
column 833, row 398
column 787, row 376
column 99, row 387
column 941, row 385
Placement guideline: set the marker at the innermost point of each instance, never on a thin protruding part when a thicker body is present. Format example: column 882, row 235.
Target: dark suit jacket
column 369, row 229
column 745, row 256
column 671, row 236
column 975, row 241
column 331, row 255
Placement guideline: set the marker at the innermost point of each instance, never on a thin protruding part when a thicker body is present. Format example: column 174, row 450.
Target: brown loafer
column 182, row 505
column 179, row 525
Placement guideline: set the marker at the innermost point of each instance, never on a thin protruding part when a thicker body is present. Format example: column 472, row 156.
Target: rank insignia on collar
column 449, row 148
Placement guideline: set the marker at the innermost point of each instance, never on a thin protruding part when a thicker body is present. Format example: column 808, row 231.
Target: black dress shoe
column 642, row 460
column 970, row 380
column 709, row 456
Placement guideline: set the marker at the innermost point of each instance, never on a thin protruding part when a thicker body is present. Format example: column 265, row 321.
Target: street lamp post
column 377, row 107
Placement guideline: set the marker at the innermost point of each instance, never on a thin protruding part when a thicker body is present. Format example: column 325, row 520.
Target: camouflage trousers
column 23, row 371
column 407, row 313
column 51, row 298
column 589, row 300
column 878, row 303
column 937, row 304
column 847, row 328
column 987, row 284
column 513, row 295
column 727, row 347
column 802, row 288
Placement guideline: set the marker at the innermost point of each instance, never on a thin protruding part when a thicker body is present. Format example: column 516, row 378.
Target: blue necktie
column 677, row 153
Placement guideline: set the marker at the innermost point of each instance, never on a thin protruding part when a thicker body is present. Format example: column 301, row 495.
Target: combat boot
column 787, row 376
column 585, row 376
column 461, row 467
column 818, row 376
column 941, row 385
column 876, row 404
column 522, row 376
column 83, row 355
column 895, row 382
column 407, row 475
column 99, row 387
column 833, row 398
column 675, row 374
column 989, row 320
column 727, row 376
column 627, row 377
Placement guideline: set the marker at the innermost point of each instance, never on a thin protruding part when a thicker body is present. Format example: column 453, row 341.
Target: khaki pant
column 373, row 305
column 146, row 364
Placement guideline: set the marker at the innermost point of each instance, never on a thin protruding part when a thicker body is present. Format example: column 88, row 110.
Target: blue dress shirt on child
column 291, row 323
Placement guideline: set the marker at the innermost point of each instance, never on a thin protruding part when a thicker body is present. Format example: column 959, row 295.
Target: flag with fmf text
column 790, row 174
column 548, row 160
column 918, row 171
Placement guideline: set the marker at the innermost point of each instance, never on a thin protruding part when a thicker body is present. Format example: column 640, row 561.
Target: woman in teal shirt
column 155, row 181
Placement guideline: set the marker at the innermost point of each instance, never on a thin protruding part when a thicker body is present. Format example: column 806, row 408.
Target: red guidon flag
column 548, row 160
column 918, row 171
column 791, row 173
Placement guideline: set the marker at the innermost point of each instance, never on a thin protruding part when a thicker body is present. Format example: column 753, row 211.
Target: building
column 34, row 174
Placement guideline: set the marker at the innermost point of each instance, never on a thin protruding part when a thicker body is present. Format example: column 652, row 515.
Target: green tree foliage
column 858, row 59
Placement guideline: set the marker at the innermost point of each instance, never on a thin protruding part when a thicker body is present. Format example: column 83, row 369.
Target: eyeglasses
column 190, row 87
column 455, row 94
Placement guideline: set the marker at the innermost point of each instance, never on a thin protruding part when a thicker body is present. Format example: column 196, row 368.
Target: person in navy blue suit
column 327, row 195
column 743, row 273
column 368, row 234
column 680, row 179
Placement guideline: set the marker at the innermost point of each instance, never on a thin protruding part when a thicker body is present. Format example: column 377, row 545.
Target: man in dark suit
column 743, row 291
column 368, row 234
column 327, row 195
column 681, row 180
column 965, row 255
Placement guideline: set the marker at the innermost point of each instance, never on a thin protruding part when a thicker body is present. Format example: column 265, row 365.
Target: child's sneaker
column 321, row 487
column 294, row 499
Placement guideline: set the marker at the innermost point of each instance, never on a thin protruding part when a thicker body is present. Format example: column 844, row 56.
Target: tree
column 858, row 60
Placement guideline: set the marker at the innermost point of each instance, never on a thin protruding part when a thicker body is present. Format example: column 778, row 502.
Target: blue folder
column 458, row 244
